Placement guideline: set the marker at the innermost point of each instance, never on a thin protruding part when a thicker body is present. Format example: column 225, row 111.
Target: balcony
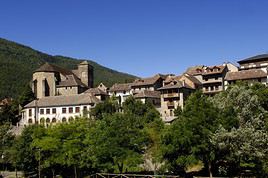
column 171, row 95
column 170, row 104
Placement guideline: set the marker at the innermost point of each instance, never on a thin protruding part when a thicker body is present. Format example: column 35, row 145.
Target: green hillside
column 17, row 62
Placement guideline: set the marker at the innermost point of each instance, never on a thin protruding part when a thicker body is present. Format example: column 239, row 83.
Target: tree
column 187, row 140
column 244, row 144
column 109, row 106
column 26, row 155
column 118, row 142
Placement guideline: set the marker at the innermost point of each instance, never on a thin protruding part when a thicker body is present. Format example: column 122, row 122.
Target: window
column 70, row 110
column 41, row 111
column 71, row 119
column 47, row 111
column 30, row 112
column 77, row 109
column 85, row 108
column 216, row 78
column 30, row 121
column 206, row 88
column 259, row 80
column 206, row 79
column 216, row 87
column 63, row 119
column 211, row 88
column 47, row 120
column 63, row 110
column 54, row 111
column 54, row 120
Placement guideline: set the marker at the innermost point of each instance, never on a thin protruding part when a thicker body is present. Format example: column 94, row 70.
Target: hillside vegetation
column 17, row 63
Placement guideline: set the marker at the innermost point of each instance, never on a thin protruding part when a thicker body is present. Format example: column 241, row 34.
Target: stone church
column 51, row 80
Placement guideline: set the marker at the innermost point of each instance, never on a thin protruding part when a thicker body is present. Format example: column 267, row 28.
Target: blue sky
column 140, row 37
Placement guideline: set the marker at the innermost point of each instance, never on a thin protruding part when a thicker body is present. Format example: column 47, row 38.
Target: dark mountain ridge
column 17, row 63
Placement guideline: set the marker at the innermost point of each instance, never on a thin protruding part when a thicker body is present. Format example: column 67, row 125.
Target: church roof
column 53, row 68
column 70, row 100
column 71, row 80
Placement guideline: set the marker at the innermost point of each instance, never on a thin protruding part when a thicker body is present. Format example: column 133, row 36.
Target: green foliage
column 244, row 146
column 187, row 140
column 17, row 63
column 109, row 106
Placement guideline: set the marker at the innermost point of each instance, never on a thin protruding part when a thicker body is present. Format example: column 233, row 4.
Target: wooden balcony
column 171, row 95
column 170, row 104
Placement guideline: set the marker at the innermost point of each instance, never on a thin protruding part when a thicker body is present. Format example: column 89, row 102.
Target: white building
column 58, row 109
column 121, row 91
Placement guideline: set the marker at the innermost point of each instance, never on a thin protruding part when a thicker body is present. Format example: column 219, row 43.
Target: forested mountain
column 17, row 63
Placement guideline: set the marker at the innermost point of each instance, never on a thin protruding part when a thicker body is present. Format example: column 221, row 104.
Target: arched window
column 71, row 119
column 54, row 120
column 63, row 119
column 47, row 120
column 42, row 120
column 30, row 121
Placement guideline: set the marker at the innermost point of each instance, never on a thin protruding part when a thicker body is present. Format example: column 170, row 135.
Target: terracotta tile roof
column 95, row 91
column 149, row 80
column 53, row 68
column 193, row 79
column 195, row 70
column 213, row 70
column 262, row 57
column 245, row 74
column 64, row 101
column 121, row 87
column 147, row 94
column 174, row 85
column 71, row 80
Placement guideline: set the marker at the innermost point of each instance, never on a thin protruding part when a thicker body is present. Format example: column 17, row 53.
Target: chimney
column 183, row 83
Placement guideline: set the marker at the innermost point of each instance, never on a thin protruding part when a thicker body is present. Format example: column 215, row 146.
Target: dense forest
column 17, row 62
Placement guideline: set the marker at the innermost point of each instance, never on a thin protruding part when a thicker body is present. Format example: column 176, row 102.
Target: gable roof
column 195, row 70
column 175, row 85
column 148, row 81
column 63, row 101
column 147, row 94
column 213, row 70
column 257, row 58
column 96, row 91
column 121, row 87
column 245, row 74
column 53, row 68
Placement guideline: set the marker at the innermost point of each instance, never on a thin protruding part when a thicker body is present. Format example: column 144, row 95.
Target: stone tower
column 86, row 75
column 44, row 81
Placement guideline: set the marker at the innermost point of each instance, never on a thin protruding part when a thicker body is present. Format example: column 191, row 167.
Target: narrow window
column 70, row 110
column 30, row 112
column 64, row 110
column 77, row 109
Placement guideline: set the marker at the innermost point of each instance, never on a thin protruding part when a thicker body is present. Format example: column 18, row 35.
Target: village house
column 174, row 92
column 121, row 91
